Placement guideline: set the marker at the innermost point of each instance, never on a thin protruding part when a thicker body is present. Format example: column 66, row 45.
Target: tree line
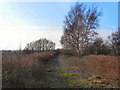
column 39, row 45
column 79, row 35
column 111, row 47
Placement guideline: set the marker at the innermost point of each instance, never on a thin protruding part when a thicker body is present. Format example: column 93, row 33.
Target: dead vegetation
column 104, row 64
column 93, row 71
column 23, row 70
column 40, row 70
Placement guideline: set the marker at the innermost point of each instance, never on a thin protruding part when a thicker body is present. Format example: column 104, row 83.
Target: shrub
column 66, row 52
column 104, row 64
column 23, row 70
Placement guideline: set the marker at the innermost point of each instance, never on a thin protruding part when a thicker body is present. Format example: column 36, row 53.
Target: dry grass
column 22, row 70
column 26, row 71
column 102, row 70
column 104, row 64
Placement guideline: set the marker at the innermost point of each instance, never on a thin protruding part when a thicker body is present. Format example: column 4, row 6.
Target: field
column 59, row 44
column 21, row 70
column 96, row 71
column 104, row 64
column 55, row 70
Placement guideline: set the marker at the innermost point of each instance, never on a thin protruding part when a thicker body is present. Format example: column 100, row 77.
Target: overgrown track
column 51, row 77
column 71, row 72
column 51, row 70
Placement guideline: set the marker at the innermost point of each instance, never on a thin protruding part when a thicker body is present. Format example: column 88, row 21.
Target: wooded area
column 80, row 36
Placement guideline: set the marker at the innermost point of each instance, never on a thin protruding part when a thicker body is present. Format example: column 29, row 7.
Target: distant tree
column 115, row 40
column 40, row 45
column 79, row 25
column 98, row 47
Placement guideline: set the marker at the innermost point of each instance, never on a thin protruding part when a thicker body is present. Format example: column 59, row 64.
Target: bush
column 22, row 71
column 66, row 52
column 104, row 64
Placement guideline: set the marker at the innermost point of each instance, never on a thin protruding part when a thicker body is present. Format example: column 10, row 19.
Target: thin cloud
column 26, row 34
column 104, row 33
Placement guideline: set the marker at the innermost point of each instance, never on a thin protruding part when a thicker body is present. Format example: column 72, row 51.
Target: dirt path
column 60, row 73
column 52, row 77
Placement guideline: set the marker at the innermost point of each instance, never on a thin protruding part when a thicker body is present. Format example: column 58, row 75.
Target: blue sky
column 52, row 13
column 44, row 17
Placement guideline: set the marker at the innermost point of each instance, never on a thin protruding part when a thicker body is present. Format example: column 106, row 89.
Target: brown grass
column 21, row 70
column 104, row 64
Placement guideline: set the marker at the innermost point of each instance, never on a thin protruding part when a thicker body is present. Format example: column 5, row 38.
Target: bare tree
column 79, row 25
column 40, row 45
column 99, row 47
column 115, row 40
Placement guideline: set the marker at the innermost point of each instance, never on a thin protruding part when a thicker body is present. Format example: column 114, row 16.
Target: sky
column 23, row 22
